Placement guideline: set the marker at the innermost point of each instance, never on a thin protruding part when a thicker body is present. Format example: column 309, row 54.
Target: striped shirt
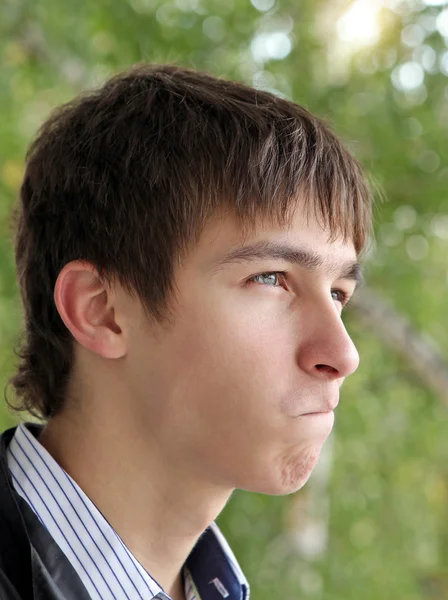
column 104, row 564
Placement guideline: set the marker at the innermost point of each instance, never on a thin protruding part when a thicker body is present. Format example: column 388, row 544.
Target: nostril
column 326, row 369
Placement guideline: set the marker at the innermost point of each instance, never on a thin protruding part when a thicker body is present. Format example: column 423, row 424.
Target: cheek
column 240, row 340
column 239, row 355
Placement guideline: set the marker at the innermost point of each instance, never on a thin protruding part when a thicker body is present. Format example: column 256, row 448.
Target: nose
column 326, row 350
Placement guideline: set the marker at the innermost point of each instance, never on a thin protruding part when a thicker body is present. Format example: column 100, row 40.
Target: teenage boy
column 185, row 247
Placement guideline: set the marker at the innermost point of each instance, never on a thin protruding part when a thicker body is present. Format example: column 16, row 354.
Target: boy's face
column 241, row 388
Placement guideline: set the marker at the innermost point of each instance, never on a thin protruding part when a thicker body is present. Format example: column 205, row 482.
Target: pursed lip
column 324, row 408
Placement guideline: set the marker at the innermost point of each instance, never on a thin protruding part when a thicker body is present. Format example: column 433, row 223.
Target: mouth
column 325, row 409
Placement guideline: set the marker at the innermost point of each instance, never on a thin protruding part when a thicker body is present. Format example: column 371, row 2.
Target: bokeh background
column 372, row 523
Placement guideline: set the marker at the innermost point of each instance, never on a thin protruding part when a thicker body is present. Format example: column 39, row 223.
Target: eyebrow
column 312, row 261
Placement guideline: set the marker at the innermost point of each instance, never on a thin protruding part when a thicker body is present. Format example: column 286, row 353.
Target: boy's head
column 185, row 243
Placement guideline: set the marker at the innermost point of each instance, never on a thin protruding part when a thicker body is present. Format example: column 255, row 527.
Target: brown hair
column 125, row 177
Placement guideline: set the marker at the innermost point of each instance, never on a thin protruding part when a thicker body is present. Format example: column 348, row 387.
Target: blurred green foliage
column 374, row 525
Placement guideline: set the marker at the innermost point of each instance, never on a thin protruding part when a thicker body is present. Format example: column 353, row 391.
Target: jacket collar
column 15, row 548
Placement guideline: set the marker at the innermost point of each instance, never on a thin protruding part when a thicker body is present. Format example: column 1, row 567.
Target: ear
column 87, row 307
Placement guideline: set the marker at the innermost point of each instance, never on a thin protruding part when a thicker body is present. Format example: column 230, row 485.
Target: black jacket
column 32, row 566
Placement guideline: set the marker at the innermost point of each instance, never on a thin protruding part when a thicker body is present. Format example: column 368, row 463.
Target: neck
column 146, row 490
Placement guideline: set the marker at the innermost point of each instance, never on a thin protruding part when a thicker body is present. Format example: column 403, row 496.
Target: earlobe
column 86, row 306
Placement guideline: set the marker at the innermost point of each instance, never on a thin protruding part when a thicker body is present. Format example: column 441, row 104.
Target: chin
column 289, row 474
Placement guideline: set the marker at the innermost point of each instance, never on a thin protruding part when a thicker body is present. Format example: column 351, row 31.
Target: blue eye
column 339, row 296
column 271, row 279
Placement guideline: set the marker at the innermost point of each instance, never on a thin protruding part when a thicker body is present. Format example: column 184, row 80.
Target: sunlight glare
column 359, row 25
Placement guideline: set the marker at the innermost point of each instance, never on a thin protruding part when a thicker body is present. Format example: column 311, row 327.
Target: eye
column 271, row 279
column 340, row 296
